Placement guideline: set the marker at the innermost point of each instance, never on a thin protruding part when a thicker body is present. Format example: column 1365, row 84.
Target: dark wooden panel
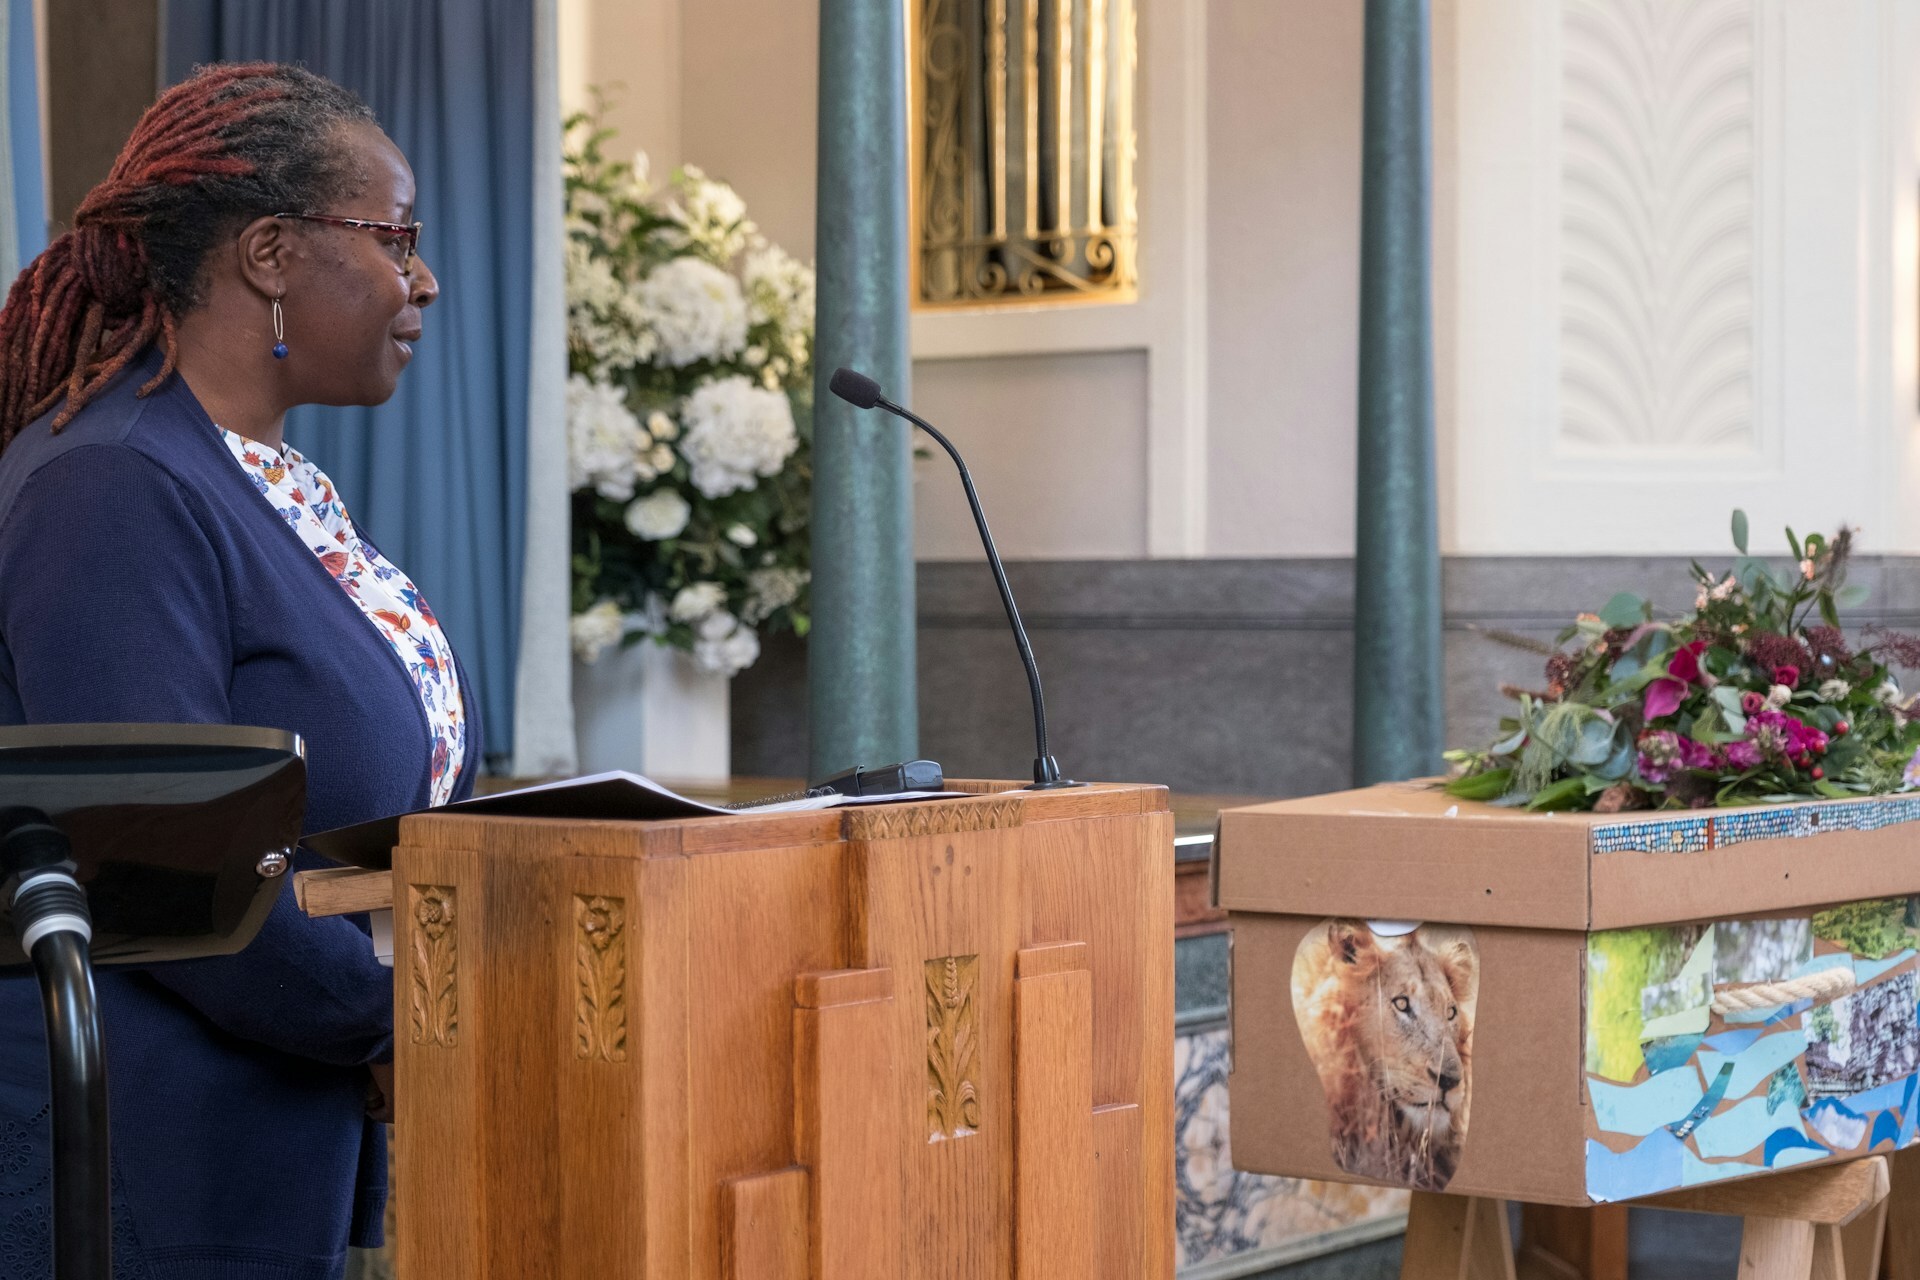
column 103, row 68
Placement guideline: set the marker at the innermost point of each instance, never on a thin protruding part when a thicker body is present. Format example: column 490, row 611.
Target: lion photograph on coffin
column 1386, row 1011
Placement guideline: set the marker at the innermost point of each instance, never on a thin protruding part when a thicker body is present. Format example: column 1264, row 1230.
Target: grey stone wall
column 1212, row 675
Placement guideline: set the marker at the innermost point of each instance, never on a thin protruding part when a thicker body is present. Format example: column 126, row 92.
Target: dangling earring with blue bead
column 279, row 332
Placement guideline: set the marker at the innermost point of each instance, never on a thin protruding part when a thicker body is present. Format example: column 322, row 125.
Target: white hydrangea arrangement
column 690, row 340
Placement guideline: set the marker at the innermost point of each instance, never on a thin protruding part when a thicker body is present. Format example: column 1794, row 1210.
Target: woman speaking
column 167, row 556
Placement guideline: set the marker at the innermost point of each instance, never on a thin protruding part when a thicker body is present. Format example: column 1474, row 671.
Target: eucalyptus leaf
column 1594, row 745
column 1727, row 699
column 1508, row 745
column 1740, row 531
column 1617, row 764
column 1625, row 610
column 1752, row 572
column 1853, row 595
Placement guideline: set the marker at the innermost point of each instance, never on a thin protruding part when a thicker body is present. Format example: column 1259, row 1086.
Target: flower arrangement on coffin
column 689, row 342
column 1757, row 695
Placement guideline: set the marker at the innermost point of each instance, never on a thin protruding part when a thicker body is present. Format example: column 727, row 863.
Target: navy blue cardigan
column 143, row 578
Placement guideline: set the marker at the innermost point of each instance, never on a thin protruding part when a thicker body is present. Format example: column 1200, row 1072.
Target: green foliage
column 1489, row 784
column 1641, row 711
column 1625, row 610
column 1874, row 929
column 1620, row 964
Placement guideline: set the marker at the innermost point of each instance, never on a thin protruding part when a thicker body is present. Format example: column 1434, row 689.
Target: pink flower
column 1788, row 675
column 1698, row 755
column 1665, row 695
column 1659, row 755
column 1742, row 755
column 1913, row 770
column 1686, row 663
column 1663, row 753
column 1779, row 736
column 1752, row 703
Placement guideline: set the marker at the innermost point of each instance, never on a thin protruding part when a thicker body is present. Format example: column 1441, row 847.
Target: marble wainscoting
column 1217, row 676
column 1229, row 1223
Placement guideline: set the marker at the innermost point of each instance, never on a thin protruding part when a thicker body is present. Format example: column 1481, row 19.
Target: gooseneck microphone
column 862, row 392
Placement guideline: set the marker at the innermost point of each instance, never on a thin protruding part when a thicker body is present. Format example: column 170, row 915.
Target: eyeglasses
column 410, row 231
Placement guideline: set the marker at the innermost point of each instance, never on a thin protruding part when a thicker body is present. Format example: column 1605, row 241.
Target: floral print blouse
column 303, row 496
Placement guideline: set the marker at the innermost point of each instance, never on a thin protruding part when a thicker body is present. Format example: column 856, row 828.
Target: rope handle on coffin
column 1822, row 984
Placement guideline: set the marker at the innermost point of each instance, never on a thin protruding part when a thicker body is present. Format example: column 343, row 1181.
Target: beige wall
column 1057, row 445
column 1283, row 275
column 750, row 78
column 631, row 50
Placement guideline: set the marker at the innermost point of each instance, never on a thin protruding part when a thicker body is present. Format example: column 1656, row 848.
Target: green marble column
column 862, row 689
column 1398, row 728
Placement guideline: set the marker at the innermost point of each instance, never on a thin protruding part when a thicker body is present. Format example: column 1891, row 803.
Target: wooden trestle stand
column 931, row 1039
column 1802, row 1224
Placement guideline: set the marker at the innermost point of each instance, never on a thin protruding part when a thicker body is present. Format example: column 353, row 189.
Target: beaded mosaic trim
column 1698, row 832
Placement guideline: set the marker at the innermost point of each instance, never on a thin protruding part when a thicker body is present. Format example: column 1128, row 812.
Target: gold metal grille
column 1023, row 151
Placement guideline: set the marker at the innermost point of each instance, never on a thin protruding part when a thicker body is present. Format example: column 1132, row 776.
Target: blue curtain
column 23, row 195
column 437, row 476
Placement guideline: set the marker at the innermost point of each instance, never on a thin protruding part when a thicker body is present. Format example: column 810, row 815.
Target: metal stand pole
column 82, row 1221
column 49, row 910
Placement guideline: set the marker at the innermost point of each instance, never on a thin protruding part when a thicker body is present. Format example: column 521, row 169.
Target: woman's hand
column 380, row 1092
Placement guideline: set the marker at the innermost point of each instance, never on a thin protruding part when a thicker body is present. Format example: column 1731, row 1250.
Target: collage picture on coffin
column 1725, row 1049
column 1386, row 1011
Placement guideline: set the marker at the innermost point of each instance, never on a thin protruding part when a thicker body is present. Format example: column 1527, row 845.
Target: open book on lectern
column 617, row 796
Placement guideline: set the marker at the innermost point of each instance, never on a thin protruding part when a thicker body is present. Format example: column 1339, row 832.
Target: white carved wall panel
column 1657, row 212
column 1676, row 266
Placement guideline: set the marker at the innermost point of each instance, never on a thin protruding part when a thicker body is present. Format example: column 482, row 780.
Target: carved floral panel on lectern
column 953, row 1044
column 435, row 995
column 600, row 970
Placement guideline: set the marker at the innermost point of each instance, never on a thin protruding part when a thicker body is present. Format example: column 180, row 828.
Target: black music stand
column 129, row 844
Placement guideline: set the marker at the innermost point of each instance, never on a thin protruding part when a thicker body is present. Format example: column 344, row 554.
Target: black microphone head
column 857, row 389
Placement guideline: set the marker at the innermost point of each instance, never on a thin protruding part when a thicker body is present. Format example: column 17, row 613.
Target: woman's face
column 352, row 312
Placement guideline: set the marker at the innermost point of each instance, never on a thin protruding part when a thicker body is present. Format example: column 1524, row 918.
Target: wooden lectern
column 931, row 1039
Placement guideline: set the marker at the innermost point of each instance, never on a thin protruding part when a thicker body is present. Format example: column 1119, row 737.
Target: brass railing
column 1023, row 151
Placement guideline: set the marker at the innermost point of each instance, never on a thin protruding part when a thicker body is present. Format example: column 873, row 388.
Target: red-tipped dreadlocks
column 233, row 143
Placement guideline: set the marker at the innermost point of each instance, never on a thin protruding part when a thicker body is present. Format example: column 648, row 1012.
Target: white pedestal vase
column 649, row 710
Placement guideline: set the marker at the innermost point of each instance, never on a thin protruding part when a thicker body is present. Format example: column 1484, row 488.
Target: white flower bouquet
column 690, row 343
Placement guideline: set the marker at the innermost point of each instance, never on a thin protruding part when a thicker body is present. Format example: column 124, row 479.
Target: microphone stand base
column 1056, row 785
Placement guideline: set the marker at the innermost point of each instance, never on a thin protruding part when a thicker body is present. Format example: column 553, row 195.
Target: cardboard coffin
column 1568, row 1008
